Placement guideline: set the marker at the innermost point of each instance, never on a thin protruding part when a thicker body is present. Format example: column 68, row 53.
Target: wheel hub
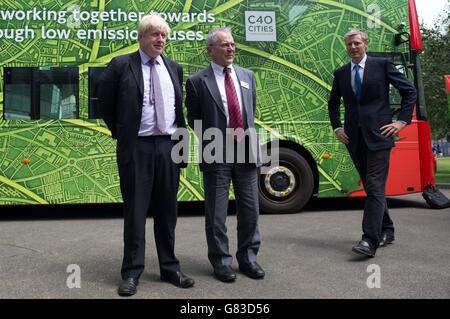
column 279, row 182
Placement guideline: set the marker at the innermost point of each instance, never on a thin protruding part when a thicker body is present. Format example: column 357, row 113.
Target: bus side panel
column 404, row 168
column 428, row 163
column 405, row 164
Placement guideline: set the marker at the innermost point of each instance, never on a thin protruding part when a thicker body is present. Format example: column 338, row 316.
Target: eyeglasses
column 225, row 45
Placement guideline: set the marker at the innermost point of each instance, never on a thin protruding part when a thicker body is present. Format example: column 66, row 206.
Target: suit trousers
column 149, row 183
column 217, row 185
column 373, row 168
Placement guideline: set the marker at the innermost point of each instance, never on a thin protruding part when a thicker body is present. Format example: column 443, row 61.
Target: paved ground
column 305, row 255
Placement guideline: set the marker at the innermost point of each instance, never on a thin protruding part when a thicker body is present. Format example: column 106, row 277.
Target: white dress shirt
column 148, row 120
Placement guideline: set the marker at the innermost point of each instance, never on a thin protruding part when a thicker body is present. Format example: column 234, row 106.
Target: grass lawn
column 443, row 170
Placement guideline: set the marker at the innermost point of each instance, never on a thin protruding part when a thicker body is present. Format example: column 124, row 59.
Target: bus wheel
column 287, row 187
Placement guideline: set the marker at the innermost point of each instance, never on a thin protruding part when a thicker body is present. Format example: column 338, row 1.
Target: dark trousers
column 373, row 167
column 217, row 185
column 149, row 182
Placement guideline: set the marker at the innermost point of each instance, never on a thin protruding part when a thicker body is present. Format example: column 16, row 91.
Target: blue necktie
column 357, row 82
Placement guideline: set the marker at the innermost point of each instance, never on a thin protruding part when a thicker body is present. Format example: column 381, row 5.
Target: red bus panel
column 415, row 38
column 412, row 164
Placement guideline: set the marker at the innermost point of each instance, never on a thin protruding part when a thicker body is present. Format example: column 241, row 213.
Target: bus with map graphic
column 55, row 149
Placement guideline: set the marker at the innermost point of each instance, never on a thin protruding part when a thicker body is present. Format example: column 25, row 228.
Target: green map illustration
column 73, row 160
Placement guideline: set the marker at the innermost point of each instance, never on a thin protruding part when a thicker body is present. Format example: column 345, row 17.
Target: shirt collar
column 362, row 64
column 219, row 69
column 145, row 58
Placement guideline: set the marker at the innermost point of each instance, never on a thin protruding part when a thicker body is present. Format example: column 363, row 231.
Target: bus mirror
column 401, row 37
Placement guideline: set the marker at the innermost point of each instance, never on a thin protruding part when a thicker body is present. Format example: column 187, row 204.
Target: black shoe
column 178, row 279
column 224, row 273
column 364, row 248
column 386, row 239
column 128, row 287
column 252, row 270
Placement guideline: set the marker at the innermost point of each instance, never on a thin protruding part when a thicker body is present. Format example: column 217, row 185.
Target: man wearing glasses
column 222, row 97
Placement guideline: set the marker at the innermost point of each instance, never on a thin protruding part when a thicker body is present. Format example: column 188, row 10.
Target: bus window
column 94, row 78
column 41, row 93
column 395, row 98
column 399, row 61
column 58, row 93
column 17, row 94
column 421, row 106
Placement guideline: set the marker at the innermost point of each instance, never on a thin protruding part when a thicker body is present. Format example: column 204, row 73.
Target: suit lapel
column 136, row 69
column 211, row 84
column 348, row 80
column 367, row 70
column 173, row 76
column 348, row 83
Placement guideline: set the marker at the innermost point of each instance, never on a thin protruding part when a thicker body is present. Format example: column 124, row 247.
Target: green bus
column 54, row 148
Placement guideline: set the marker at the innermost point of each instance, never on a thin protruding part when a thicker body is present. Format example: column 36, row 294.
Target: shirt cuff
column 337, row 129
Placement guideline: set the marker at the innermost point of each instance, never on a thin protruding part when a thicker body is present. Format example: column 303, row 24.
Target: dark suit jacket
column 373, row 110
column 121, row 94
column 204, row 103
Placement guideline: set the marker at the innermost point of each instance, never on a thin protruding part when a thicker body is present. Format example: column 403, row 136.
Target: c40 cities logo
column 260, row 26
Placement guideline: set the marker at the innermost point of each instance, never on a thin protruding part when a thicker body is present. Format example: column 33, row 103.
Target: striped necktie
column 234, row 109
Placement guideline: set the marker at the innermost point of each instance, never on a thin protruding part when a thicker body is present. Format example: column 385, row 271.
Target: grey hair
column 211, row 39
column 354, row 32
column 152, row 21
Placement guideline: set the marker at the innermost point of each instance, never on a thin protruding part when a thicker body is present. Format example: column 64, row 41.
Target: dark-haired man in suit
column 368, row 130
column 140, row 98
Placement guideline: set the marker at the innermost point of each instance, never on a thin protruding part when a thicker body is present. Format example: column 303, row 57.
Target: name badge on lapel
column 245, row 85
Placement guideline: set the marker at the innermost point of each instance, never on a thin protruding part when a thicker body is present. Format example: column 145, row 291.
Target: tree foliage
column 435, row 65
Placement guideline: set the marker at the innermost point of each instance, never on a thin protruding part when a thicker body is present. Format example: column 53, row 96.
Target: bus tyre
column 287, row 187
